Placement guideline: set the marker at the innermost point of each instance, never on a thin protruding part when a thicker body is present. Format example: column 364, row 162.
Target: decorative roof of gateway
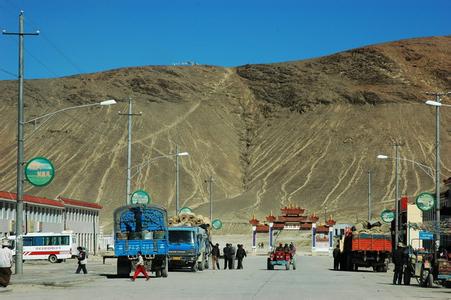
column 73, row 202
column 61, row 202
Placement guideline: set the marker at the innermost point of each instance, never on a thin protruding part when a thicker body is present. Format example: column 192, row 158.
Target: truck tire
column 123, row 267
column 269, row 265
column 287, row 266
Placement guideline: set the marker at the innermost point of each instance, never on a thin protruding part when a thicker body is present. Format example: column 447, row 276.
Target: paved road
column 312, row 280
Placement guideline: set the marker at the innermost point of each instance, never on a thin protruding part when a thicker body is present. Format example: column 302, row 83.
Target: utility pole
column 177, row 187
column 397, row 197
column 369, row 195
column 130, row 114
column 209, row 181
column 20, row 147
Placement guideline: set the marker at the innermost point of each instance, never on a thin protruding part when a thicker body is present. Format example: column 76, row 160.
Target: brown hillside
column 301, row 132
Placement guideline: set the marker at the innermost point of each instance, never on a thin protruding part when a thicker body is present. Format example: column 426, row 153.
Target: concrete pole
column 20, row 148
column 209, row 193
column 177, row 178
column 437, row 169
column 129, row 151
column 397, row 198
column 369, row 195
column 130, row 114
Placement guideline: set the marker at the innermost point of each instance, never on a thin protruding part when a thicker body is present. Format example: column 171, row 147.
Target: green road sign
column 39, row 171
column 425, row 201
column 217, row 224
column 140, row 197
column 185, row 210
column 387, row 216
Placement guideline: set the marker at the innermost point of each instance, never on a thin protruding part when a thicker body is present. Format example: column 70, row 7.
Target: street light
column 426, row 169
column 146, row 162
column 437, row 103
column 20, row 174
column 381, row 156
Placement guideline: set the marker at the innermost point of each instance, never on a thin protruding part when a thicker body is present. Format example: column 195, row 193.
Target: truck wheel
column 123, row 267
column 53, row 259
column 268, row 264
column 287, row 266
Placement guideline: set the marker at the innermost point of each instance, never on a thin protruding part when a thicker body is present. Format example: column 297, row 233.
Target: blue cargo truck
column 142, row 228
column 189, row 247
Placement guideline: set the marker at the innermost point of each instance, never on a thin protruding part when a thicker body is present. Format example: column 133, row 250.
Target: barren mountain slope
column 299, row 132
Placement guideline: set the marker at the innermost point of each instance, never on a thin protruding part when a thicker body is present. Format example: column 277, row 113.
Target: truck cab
column 189, row 247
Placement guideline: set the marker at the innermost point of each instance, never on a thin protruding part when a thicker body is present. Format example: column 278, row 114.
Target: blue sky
column 87, row 36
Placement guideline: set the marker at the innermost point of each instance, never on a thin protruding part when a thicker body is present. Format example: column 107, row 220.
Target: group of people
column 287, row 248
column 230, row 253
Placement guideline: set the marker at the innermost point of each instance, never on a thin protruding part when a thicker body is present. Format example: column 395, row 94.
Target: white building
column 47, row 215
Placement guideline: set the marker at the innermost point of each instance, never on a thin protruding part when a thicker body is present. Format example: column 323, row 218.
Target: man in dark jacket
column 215, row 253
column 398, row 261
column 240, row 254
column 81, row 261
column 336, row 255
column 225, row 252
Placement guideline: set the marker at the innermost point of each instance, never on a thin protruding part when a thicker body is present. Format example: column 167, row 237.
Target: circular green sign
column 185, row 210
column 217, row 224
column 387, row 216
column 39, row 171
column 425, row 201
column 140, row 197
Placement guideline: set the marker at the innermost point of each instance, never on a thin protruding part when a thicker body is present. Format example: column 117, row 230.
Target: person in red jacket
column 140, row 267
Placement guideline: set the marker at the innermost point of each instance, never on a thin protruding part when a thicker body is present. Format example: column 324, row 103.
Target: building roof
column 32, row 199
column 60, row 202
column 73, row 202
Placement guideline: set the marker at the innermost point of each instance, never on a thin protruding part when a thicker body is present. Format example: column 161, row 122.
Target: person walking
column 225, row 253
column 398, row 260
column 82, row 260
column 215, row 253
column 336, row 254
column 140, row 268
column 6, row 261
column 240, row 254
